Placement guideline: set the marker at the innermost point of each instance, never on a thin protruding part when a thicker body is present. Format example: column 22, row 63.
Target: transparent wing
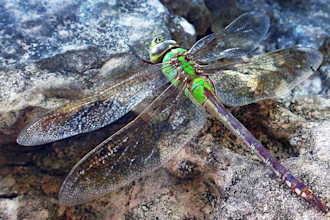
column 142, row 146
column 264, row 77
column 93, row 112
column 242, row 36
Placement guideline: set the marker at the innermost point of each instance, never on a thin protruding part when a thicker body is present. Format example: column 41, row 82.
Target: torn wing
column 139, row 148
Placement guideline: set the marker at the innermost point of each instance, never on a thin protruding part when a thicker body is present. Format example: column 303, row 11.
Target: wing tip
column 23, row 139
column 64, row 202
column 64, row 196
column 315, row 57
column 70, row 196
column 259, row 17
column 27, row 139
column 260, row 21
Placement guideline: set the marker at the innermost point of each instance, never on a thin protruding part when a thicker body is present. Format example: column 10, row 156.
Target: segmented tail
column 213, row 105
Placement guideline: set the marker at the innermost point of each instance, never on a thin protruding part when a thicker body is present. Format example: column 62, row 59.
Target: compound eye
column 158, row 40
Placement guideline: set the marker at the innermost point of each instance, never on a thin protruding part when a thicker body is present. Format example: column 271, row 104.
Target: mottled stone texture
column 53, row 52
column 195, row 11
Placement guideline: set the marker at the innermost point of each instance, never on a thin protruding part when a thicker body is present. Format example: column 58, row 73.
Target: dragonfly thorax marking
column 179, row 64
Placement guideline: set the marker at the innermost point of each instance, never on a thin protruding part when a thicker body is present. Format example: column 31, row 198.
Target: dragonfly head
column 159, row 47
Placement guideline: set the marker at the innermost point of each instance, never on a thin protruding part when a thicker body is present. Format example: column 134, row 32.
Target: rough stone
column 59, row 51
column 194, row 11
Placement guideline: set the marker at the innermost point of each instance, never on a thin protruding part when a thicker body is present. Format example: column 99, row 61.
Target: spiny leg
column 213, row 106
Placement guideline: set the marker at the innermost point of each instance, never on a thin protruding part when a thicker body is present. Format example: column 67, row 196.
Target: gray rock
column 182, row 31
column 74, row 64
column 194, row 11
column 53, row 53
column 254, row 193
column 304, row 23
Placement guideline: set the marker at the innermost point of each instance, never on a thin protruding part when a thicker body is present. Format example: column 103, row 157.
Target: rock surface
column 57, row 51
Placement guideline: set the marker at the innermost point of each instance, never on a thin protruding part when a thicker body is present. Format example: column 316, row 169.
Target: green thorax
column 196, row 84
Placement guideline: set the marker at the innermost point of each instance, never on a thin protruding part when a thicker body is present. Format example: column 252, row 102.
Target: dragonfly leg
column 213, row 105
column 137, row 55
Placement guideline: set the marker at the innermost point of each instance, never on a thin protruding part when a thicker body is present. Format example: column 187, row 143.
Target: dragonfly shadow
column 258, row 119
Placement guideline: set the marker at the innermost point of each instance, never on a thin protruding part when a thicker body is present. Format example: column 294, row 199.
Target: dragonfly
column 179, row 87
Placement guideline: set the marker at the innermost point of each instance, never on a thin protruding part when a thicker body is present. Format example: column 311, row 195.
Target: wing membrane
column 93, row 112
column 142, row 146
column 264, row 77
column 242, row 36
